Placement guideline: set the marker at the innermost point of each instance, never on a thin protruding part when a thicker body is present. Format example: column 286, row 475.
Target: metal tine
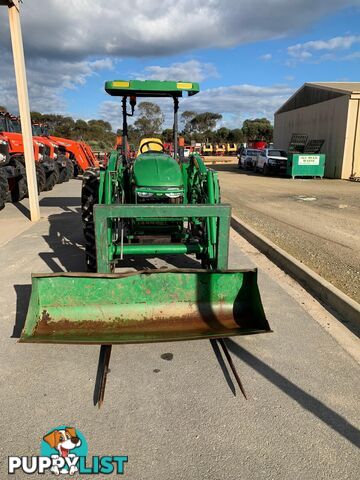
column 232, row 366
column 103, row 370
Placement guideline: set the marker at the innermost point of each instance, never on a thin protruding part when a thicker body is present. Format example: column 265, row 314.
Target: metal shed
column 329, row 111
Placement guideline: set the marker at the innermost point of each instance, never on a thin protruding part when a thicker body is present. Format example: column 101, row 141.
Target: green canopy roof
column 150, row 88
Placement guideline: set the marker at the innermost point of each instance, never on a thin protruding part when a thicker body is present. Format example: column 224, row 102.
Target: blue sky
column 249, row 56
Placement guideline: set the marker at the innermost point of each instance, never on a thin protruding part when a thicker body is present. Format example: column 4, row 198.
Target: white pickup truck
column 271, row 160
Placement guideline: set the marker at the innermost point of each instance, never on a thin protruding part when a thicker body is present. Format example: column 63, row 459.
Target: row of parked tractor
column 221, row 149
column 56, row 159
column 205, row 149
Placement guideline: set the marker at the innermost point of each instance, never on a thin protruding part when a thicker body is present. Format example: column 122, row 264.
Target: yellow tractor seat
column 153, row 144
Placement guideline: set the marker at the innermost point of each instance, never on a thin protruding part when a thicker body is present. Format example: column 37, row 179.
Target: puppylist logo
column 64, row 450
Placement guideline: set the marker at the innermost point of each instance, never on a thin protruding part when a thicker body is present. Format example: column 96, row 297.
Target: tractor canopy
column 150, row 88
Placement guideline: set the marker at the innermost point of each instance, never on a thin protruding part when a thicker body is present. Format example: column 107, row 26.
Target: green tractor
column 154, row 205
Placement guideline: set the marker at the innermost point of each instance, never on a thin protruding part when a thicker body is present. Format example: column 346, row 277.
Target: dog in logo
column 63, row 441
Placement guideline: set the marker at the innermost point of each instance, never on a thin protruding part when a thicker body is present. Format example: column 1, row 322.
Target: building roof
column 345, row 87
column 316, row 92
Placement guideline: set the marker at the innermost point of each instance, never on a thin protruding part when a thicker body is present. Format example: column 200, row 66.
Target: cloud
column 235, row 103
column 266, row 57
column 191, row 70
column 47, row 80
column 335, row 43
column 304, row 51
column 76, row 29
column 68, row 41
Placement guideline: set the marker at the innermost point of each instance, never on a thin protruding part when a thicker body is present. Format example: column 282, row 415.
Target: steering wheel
column 149, row 143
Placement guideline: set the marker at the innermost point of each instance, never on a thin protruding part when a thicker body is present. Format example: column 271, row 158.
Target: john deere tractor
column 152, row 205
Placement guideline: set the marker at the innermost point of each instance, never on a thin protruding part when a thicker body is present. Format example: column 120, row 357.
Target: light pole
column 24, row 109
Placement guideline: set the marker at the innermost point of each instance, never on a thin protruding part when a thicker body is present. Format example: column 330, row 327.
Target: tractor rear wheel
column 4, row 189
column 89, row 197
column 40, row 177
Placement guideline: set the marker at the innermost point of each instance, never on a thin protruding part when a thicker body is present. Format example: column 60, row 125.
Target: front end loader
column 151, row 206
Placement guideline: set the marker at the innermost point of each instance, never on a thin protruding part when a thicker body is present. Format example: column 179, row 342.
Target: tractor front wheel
column 89, row 197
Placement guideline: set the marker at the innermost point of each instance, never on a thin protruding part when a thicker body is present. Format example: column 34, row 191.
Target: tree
column 222, row 135
column 258, row 129
column 185, row 121
column 204, row 122
column 236, row 135
column 3, row 109
column 150, row 119
column 167, row 135
column 97, row 132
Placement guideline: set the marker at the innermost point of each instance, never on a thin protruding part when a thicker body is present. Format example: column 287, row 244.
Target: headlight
column 2, row 158
column 173, row 195
column 145, row 194
column 40, row 144
column 3, row 142
column 55, row 155
column 41, row 156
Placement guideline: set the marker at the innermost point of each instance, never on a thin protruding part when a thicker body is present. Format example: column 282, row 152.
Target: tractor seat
column 152, row 145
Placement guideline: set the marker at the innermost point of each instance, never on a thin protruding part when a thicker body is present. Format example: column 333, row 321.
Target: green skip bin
column 146, row 306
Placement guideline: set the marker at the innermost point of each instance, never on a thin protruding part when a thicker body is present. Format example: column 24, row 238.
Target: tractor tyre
column 20, row 190
column 77, row 170
column 89, row 197
column 56, row 173
column 89, row 194
column 266, row 169
column 63, row 177
column 50, row 181
column 40, row 177
column 4, row 189
column 90, row 248
column 71, row 168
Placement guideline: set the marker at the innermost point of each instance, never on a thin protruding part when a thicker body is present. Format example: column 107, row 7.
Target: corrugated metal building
column 329, row 111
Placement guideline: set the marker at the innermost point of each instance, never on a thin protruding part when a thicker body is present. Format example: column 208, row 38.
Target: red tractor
column 13, row 165
column 63, row 167
column 79, row 153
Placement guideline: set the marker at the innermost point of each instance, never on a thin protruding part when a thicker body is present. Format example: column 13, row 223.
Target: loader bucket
column 146, row 306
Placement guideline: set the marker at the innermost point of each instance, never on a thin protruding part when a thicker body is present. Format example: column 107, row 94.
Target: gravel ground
column 316, row 221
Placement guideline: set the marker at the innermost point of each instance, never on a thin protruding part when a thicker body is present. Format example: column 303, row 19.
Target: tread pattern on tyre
column 50, row 181
column 89, row 197
column 57, row 173
column 4, row 189
column 20, row 190
column 40, row 177
column 70, row 168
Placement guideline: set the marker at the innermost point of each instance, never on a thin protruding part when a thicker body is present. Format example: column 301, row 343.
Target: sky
column 249, row 56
